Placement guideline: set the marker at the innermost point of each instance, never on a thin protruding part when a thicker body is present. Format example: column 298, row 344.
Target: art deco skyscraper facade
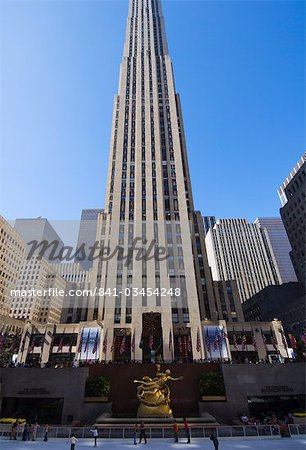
column 149, row 203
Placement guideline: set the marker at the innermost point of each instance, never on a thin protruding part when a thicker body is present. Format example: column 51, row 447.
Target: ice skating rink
column 294, row 443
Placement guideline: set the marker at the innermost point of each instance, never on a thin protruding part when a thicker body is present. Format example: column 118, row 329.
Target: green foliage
column 10, row 347
column 97, row 387
column 211, row 383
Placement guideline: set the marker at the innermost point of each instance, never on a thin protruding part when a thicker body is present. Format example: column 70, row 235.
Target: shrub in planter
column 212, row 384
column 97, row 386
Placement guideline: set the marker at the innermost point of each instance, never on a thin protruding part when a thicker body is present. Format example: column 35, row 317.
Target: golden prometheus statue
column 154, row 394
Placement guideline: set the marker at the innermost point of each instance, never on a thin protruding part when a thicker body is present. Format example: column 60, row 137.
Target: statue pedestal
column 154, row 411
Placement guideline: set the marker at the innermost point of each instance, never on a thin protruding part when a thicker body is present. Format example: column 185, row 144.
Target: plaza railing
column 159, row 431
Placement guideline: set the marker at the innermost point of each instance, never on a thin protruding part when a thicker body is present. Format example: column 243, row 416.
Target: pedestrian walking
column 35, row 428
column 142, row 432
column 135, row 433
column 214, row 440
column 187, row 430
column 95, row 435
column 175, row 430
column 30, row 432
column 46, row 431
column 73, row 441
column 13, row 434
column 25, row 433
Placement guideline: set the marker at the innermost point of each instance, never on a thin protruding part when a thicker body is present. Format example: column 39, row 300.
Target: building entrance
column 152, row 338
column 42, row 410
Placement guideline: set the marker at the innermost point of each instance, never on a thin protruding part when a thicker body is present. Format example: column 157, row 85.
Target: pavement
column 294, row 443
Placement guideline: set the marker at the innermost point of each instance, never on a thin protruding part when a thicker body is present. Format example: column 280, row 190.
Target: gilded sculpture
column 154, row 394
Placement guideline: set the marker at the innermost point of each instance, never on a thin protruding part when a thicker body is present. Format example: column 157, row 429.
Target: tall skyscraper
column 148, row 205
column 276, row 237
column 237, row 250
column 292, row 194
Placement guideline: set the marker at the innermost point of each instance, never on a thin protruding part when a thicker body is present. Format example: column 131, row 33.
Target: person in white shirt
column 95, row 435
column 73, row 440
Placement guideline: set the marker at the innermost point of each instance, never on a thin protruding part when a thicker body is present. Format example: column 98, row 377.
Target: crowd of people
column 270, row 419
column 29, row 433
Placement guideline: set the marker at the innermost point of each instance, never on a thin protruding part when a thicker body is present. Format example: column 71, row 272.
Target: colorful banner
column 90, row 344
column 215, row 342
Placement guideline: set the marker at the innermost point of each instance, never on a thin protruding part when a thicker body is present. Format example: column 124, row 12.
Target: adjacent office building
column 87, row 236
column 218, row 300
column 40, row 230
column 236, row 250
column 12, row 250
column 276, row 238
column 292, row 194
column 44, row 306
column 285, row 302
column 77, row 292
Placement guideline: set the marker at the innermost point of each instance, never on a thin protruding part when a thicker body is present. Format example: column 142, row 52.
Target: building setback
column 292, row 194
column 237, row 250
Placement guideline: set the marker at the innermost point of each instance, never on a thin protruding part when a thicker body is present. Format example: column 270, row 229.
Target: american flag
column 189, row 343
column 264, row 341
column 180, row 344
column 151, row 341
column 133, row 342
column 70, row 345
column 235, row 342
column 122, row 346
column 31, row 348
column 170, row 341
column 87, row 342
column 284, row 339
column 207, row 341
column 274, row 342
column 198, row 341
column 244, row 343
column 60, row 345
column 254, row 343
column 293, row 342
column 113, row 344
column 303, row 338
column 105, row 342
column 61, row 342
column 95, row 346
column 223, row 336
column 216, row 341
column 81, row 341
column 141, row 341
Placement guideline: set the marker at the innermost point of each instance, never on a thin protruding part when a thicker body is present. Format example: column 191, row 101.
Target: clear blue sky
column 239, row 67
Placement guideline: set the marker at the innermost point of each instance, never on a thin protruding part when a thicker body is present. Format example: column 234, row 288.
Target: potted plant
column 211, row 387
column 97, row 389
